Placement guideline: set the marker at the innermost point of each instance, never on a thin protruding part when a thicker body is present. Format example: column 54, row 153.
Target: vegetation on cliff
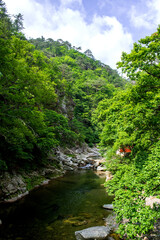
column 48, row 91
column 53, row 95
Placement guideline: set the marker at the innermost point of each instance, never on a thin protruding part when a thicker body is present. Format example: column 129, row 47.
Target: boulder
column 109, row 176
column 68, row 168
column 88, row 166
column 96, row 163
column 108, row 206
column 48, row 171
column 150, row 201
column 101, row 168
column 98, row 232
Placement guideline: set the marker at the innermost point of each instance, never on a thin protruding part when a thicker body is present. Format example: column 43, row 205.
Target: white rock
column 150, row 201
column 98, row 232
column 100, row 168
column 108, row 206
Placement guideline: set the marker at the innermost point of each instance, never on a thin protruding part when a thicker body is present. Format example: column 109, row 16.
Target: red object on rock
column 127, row 150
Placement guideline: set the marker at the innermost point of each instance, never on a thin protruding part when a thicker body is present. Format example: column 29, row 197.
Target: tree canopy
column 132, row 119
column 52, row 94
column 48, row 91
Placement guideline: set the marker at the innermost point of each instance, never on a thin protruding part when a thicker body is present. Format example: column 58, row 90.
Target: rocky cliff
column 14, row 185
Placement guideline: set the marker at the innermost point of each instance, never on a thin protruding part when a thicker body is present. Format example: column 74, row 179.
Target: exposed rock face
column 98, row 232
column 13, row 185
column 72, row 159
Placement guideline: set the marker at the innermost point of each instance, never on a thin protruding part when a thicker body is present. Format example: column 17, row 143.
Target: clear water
column 57, row 210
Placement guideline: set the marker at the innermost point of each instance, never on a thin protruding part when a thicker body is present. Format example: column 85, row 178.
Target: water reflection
column 57, row 210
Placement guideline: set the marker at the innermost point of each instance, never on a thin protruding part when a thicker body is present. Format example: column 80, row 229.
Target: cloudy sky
column 106, row 27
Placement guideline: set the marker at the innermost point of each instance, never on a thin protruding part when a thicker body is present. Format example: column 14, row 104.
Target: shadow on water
column 57, row 210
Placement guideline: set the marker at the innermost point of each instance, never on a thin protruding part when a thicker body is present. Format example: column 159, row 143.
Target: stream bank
column 57, row 210
column 17, row 184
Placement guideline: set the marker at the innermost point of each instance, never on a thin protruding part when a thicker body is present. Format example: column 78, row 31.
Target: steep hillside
column 48, row 92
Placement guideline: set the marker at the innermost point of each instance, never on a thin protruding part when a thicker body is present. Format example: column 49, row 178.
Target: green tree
column 131, row 119
column 48, row 92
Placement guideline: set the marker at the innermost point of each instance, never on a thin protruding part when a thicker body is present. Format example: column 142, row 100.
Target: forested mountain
column 52, row 94
column 48, row 92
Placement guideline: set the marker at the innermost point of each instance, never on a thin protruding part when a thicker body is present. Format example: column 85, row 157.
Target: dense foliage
column 48, row 91
column 131, row 119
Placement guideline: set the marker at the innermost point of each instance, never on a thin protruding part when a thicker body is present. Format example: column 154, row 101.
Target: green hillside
column 48, row 92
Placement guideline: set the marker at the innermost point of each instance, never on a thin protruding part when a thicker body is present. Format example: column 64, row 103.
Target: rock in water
column 108, row 206
column 99, row 232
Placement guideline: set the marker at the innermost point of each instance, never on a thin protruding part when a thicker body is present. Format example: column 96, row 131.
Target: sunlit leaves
column 143, row 57
column 132, row 118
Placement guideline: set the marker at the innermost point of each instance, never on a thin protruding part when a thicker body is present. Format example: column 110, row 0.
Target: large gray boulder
column 98, row 232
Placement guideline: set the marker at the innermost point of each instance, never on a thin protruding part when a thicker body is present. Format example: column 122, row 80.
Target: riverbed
column 55, row 211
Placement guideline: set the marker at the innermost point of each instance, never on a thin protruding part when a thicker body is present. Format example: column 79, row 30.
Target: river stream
column 55, row 211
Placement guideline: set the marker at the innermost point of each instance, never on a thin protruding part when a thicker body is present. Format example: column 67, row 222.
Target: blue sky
column 106, row 27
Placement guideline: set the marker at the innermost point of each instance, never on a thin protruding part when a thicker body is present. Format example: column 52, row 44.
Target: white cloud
column 154, row 6
column 103, row 3
column 104, row 36
column 148, row 19
column 109, row 44
column 69, row 2
column 139, row 20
